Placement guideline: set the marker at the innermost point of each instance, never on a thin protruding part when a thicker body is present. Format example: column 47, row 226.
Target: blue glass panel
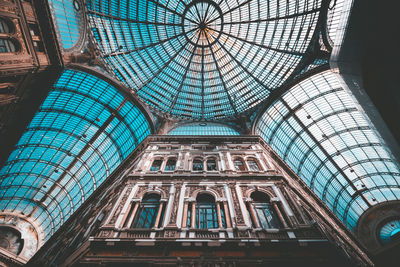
column 203, row 129
column 83, row 130
column 332, row 146
column 67, row 20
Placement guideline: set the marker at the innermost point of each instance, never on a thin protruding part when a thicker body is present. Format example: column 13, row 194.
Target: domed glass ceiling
column 203, row 59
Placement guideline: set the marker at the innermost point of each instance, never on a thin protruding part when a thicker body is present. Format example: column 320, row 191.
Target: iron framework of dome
column 203, row 59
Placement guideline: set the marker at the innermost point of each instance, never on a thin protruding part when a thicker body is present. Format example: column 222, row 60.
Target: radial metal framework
column 319, row 130
column 203, row 59
column 84, row 129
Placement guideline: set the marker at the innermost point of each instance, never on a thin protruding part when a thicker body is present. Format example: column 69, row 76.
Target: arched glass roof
column 389, row 232
column 84, row 129
column 67, row 18
column 203, row 128
column 320, row 131
column 203, row 59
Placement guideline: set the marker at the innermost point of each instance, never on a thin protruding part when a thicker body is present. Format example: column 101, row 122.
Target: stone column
column 219, row 214
column 278, row 212
column 160, row 208
column 253, row 215
column 193, row 218
column 227, row 217
column 185, row 212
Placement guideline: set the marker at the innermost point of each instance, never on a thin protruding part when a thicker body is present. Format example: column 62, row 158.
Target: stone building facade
column 202, row 201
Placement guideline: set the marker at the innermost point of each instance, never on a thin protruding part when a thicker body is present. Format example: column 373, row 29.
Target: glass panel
column 211, row 165
column 266, row 215
column 197, row 165
column 156, row 165
column 7, row 46
column 170, row 166
column 4, row 26
column 147, row 213
column 203, row 129
column 390, row 231
column 68, row 21
column 253, row 165
column 239, row 166
column 206, row 216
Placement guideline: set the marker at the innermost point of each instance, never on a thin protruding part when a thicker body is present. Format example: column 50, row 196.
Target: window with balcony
column 206, row 213
column 261, row 211
column 149, row 213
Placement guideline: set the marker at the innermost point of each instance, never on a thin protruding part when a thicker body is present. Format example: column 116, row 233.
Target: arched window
column 211, row 165
column 156, row 166
column 150, row 212
column 170, row 166
column 261, row 211
column 7, row 46
column 253, row 165
column 205, row 213
column 197, row 164
column 239, row 165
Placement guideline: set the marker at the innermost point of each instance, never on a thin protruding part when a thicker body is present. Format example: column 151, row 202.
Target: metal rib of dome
column 203, row 59
column 84, row 129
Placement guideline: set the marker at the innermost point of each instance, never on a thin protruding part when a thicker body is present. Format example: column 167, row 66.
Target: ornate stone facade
column 174, row 234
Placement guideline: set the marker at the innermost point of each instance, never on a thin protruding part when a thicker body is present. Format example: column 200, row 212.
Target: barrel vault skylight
column 320, row 131
column 203, row 59
column 84, row 129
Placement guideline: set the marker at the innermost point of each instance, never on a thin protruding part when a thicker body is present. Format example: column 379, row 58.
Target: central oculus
column 202, row 23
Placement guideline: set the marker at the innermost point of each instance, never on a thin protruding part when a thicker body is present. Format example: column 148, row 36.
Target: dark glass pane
column 170, row 165
column 206, row 212
column 197, row 165
column 253, row 165
column 266, row 215
column 4, row 26
column 156, row 165
column 223, row 216
column 239, row 166
column 6, row 46
column 147, row 212
column 211, row 165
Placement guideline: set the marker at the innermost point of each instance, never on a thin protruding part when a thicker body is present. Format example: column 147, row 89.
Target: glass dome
column 203, row 59
column 203, row 128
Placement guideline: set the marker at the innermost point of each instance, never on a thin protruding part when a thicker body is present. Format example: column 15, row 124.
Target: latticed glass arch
column 203, row 128
column 83, row 130
column 203, row 59
column 390, row 231
column 68, row 21
column 318, row 128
